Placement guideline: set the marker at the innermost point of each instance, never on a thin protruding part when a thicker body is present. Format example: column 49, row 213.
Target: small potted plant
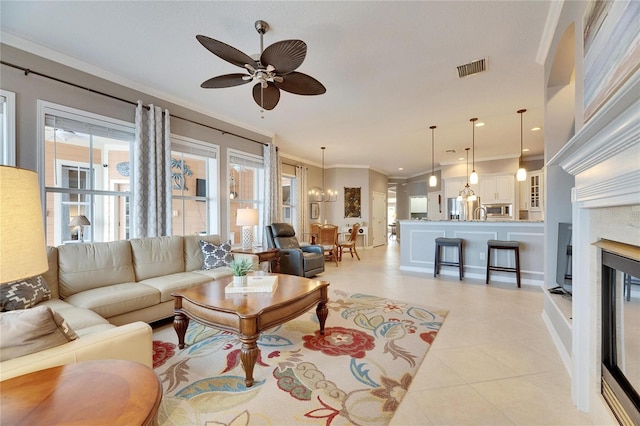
column 239, row 268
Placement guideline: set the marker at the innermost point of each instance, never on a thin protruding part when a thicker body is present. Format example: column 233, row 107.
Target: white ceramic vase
column 239, row 281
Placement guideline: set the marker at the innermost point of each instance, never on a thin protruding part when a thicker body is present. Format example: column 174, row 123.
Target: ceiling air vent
column 472, row 68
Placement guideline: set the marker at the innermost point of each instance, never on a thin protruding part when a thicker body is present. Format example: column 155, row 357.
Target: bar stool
column 449, row 242
column 504, row 245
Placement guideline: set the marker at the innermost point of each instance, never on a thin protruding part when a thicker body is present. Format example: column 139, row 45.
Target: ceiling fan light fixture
column 274, row 69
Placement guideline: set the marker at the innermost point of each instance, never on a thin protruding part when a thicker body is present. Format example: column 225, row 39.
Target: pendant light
column 473, row 179
column 327, row 194
column 521, row 175
column 467, row 193
column 433, row 180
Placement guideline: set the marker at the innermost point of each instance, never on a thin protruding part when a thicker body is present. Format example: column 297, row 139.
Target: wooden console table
column 105, row 392
column 264, row 255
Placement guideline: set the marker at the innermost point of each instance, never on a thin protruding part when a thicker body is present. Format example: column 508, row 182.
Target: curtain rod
column 295, row 165
column 28, row 71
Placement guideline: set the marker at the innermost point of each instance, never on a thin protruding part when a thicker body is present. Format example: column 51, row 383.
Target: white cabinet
column 532, row 194
column 496, row 189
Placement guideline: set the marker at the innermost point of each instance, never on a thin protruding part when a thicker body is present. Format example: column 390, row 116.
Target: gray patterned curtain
column 273, row 187
column 152, row 173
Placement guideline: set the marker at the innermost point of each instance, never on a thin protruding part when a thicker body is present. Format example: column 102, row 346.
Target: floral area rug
column 356, row 373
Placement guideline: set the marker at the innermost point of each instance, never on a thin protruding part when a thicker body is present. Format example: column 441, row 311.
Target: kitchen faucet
column 478, row 212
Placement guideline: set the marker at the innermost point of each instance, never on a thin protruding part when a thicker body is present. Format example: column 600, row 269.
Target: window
column 7, row 128
column 287, row 199
column 246, row 174
column 194, row 168
column 86, row 172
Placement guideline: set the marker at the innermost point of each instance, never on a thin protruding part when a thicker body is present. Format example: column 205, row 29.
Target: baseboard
column 564, row 355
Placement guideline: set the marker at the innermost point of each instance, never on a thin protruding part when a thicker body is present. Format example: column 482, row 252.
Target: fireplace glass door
column 621, row 335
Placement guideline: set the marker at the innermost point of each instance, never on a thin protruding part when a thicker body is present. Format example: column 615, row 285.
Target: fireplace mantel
column 604, row 158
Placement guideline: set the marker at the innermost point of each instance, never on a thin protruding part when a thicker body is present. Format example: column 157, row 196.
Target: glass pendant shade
column 433, row 180
column 521, row 175
column 473, row 178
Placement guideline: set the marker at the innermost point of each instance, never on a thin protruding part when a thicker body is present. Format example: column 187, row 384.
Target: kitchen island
column 417, row 247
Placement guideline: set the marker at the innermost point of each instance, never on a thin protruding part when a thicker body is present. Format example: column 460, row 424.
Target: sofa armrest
column 131, row 342
column 312, row 249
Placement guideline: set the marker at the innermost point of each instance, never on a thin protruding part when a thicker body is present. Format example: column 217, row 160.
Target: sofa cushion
column 116, row 299
column 157, row 256
column 215, row 255
column 84, row 267
column 169, row 283
column 77, row 318
column 193, row 258
column 217, row 273
column 24, row 293
column 27, row 331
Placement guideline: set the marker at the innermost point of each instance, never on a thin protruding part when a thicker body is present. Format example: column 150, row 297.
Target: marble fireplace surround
column 604, row 158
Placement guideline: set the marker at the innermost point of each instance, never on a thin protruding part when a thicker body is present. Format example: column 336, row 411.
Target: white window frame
column 44, row 108
column 213, row 177
column 259, row 201
column 8, row 148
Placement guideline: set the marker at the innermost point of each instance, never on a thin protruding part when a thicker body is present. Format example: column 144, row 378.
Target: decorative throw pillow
column 26, row 331
column 216, row 255
column 23, row 294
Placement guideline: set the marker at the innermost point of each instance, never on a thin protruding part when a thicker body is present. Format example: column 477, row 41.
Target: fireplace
column 621, row 330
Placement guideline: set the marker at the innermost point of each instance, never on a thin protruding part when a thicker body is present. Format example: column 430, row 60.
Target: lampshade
column 247, row 217
column 22, row 243
column 79, row 220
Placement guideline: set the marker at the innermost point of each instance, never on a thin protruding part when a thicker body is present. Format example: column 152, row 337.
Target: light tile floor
column 493, row 361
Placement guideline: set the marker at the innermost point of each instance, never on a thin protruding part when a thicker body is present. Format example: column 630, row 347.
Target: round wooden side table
column 103, row 392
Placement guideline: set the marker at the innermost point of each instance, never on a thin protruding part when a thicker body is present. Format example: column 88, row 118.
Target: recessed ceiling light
column 479, row 124
column 526, row 150
column 400, row 168
column 535, row 129
column 460, row 158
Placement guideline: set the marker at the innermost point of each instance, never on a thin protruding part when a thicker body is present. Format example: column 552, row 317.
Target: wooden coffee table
column 248, row 315
column 104, row 392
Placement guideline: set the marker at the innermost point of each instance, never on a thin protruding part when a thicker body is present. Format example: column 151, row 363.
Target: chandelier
column 321, row 194
column 467, row 193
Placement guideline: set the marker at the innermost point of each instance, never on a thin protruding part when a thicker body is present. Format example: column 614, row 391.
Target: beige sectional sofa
column 109, row 292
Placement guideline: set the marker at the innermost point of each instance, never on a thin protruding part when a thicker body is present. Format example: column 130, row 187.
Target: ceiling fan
column 272, row 71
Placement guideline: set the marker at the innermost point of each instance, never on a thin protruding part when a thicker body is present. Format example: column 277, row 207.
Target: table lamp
column 22, row 244
column 79, row 221
column 247, row 218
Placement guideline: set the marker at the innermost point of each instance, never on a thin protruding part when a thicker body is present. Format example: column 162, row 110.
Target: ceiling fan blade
column 266, row 98
column 226, row 52
column 301, row 84
column 226, row 80
column 285, row 56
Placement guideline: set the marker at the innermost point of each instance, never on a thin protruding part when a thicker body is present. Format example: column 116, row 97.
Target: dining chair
column 350, row 243
column 315, row 232
column 328, row 239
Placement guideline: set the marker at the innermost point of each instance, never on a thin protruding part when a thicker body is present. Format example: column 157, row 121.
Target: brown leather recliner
column 304, row 261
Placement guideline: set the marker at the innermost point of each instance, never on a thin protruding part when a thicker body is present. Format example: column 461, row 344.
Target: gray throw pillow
column 27, row 331
column 23, row 294
column 215, row 255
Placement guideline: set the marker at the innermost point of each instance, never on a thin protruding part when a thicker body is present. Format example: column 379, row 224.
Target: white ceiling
column 389, row 69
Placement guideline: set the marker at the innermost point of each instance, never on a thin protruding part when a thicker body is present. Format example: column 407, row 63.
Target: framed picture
column 611, row 50
column 352, row 202
column 315, row 210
